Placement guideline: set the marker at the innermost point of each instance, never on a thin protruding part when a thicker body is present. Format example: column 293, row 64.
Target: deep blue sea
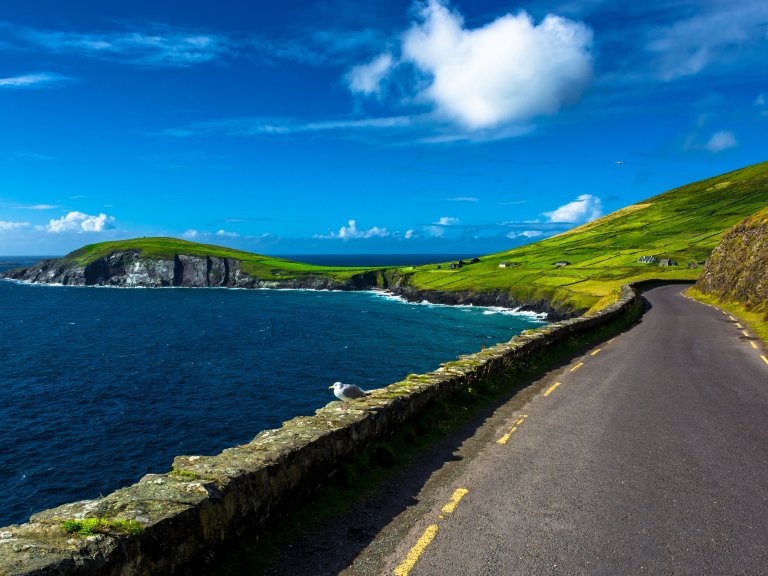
column 99, row 386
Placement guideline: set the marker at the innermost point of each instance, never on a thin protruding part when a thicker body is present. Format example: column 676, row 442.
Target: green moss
column 90, row 526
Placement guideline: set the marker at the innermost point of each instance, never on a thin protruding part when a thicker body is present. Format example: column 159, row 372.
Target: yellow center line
column 579, row 365
column 732, row 318
column 519, row 421
column 551, row 389
column 417, row 550
column 611, row 340
column 458, row 494
column 504, row 439
column 739, row 326
column 745, row 333
column 764, row 359
column 595, row 352
column 754, row 345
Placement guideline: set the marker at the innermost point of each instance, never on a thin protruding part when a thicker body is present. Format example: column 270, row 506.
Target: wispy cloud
column 719, row 33
column 36, row 80
column 155, row 46
column 720, row 141
column 316, row 47
column 225, row 234
column 464, row 199
column 38, row 206
column 283, row 126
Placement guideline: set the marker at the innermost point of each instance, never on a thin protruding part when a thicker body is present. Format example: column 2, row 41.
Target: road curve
column 647, row 455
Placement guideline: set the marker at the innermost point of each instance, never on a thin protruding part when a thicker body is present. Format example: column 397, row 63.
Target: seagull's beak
column 331, row 386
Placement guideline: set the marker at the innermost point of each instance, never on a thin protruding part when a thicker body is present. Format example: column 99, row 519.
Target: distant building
column 455, row 265
column 503, row 264
column 562, row 263
column 667, row 262
column 474, row 260
column 508, row 264
column 648, row 259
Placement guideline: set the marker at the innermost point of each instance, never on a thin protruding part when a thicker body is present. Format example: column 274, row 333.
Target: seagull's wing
column 353, row 392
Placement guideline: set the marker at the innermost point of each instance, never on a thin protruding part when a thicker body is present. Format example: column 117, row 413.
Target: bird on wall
column 347, row 392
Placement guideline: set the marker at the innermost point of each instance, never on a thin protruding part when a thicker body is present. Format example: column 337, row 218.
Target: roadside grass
column 359, row 480
column 755, row 318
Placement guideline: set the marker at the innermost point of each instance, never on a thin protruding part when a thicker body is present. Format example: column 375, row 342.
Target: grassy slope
column 684, row 224
column 255, row 264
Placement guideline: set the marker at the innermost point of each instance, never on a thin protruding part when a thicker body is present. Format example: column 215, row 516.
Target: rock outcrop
column 128, row 269
column 737, row 270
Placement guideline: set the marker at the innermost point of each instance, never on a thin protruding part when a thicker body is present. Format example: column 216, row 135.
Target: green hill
column 684, row 224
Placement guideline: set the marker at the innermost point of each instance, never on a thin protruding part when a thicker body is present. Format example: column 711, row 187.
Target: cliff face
column 127, row 269
column 737, row 270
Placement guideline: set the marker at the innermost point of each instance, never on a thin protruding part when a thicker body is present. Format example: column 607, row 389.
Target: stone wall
column 207, row 500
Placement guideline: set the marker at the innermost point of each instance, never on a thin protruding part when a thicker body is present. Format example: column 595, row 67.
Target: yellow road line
column 595, row 352
column 731, row 317
column 611, row 340
column 764, row 358
column 551, row 388
column 754, row 345
column 739, row 326
column 504, row 439
column 579, row 365
column 745, row 333
column 417, row 550
column 458, row 494
column 519, row 421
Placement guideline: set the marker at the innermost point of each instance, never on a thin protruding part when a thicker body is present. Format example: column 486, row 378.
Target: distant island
column 667, row 237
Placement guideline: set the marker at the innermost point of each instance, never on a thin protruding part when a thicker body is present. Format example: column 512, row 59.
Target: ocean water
column 99, row 386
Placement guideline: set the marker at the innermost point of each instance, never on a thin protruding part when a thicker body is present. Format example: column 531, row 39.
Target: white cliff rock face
column 149, row 273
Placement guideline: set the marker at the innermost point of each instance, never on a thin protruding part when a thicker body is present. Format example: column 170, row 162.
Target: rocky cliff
column 737, row 270
column 126, row 268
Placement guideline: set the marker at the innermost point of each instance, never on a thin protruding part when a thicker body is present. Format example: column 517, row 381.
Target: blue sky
column 379, row 126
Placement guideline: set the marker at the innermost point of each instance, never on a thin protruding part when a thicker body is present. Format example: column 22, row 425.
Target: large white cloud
column 80, row 222
column 584, row 209
column 507, row 71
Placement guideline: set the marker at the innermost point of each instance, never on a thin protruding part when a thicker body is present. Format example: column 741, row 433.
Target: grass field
column 684, row 224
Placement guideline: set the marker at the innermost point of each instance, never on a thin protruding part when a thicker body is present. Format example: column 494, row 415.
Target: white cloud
column 509, row 70
column 226, row 234
column 6, row 226
column 40, row 207
column 38, row 80
column 367, row 78
column 721, row 141
column 409, row 234
column 715, row 33
column 447, row 221
column 584, row 209
column 156, row 46
column 525, row 234
column 80, row 222
column 191, row 233
column 464, row 199
column 351, row 231
column 761, row 99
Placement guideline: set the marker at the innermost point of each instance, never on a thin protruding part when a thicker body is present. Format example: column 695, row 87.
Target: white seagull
column 347, row 392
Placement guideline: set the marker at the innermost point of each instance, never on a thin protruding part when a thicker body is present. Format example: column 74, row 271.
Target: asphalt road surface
column 646, row 455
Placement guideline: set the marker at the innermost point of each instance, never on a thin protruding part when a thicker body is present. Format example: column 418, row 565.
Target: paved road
column 649, row 457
